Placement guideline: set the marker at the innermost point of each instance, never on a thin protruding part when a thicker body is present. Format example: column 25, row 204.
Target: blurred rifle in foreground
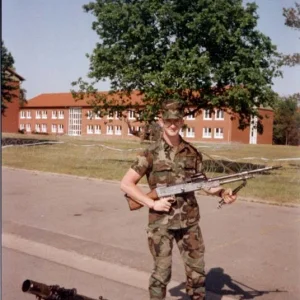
column 52, row 292
column 198, row 182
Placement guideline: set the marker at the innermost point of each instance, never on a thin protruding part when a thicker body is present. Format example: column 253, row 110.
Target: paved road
column 252, row 250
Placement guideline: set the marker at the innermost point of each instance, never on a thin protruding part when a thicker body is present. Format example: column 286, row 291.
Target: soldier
column 167, row 161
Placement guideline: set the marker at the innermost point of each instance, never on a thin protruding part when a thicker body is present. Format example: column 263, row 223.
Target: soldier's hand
column 163, row 204
column 228, row 197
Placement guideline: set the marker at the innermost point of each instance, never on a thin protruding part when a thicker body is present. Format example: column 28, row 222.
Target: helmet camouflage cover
column 172, row 110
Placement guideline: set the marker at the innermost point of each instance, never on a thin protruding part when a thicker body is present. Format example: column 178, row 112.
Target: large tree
column 287, row 121
column 292, row 19
column 9, row 90
column 202, row 53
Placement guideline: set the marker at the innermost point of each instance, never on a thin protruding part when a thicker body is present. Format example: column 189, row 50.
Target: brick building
column 10, row 117
column 61, row 114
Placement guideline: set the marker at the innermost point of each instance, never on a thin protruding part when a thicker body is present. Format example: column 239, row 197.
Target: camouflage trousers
column 191, row 246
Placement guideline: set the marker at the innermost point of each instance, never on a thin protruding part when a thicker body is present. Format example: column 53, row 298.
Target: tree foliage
column 292, row 19
column 287, row 121
column 201, row 53
column 8, row 90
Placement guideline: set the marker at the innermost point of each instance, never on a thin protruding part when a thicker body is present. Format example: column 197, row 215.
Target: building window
column 118, row 130
column 89, row 115
column 134, row 129
column 207, row 114
column 181, row 132
column 97, row 129
column 90, row 129
column 28, row 128
column 22, row 114
column 219, row 133
column 60, row 128
column 53, row 128
column 190, row 132
column 37, row 127
column 118, row 115
column 44, row 127
column 190, row 116
column 97, row 115
column 109, row 130
column 110, row 115
column 44, row 114
column 22, row 126
column 206, row 132
column 38, row 114
column 54, row 114
column 28, row 116
column 131, row 114
column 219, row 114
column 61, row 114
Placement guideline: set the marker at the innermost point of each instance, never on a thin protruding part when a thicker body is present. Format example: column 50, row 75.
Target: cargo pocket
column 160, row 242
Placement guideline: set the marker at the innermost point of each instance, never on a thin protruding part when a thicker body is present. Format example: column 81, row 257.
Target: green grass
column 110, row 159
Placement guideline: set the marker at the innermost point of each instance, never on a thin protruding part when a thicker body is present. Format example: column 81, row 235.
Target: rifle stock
column 134, row 205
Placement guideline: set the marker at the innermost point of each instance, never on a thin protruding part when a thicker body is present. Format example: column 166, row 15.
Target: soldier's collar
column 180, row 147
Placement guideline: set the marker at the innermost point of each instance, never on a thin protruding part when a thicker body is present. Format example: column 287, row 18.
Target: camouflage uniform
column 162, row 165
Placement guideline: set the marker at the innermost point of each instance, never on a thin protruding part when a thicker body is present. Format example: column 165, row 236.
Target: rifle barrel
column 243, row 174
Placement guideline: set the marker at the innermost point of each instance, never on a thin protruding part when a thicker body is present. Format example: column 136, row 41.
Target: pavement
column 252, row 249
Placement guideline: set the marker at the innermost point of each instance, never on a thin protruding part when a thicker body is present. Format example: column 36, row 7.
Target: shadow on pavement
column 222, row 284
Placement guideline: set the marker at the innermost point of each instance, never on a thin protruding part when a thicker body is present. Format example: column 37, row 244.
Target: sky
column 49, row 40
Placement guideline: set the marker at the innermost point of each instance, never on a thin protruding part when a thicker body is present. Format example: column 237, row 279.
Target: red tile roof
column 67, row 100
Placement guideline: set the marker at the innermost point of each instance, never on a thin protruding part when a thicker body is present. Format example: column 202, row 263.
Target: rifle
column 198, row 182
column 52, row 292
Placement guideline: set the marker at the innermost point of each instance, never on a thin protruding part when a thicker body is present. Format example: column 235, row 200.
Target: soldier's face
column 172, row 126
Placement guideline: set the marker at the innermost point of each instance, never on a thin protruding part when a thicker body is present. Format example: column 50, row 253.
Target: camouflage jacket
column 161, row 167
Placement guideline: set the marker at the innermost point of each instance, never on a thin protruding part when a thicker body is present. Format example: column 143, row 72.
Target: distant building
column 61, row 114
column 10, row 117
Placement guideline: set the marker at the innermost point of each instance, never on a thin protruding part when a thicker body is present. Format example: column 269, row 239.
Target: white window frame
column 97, row 129
column 38, row 127
column 207, row 132
column 22, row 126
column 182, row 132
column 118, row 130
column 22, row 114
column 60, row 128
column 190, row 132
column 97, row 116
column 28, row 128
column 89, row 114
column 219, row 114
column 61, row 115
column 90, row 129
column 207, row 115
column 190, row 117
column 44, row 128
column 118, row 115
column 28, row 114
column 53, row 128
column 109, row 130
column 110, row 115
column 219, row 133
column 38, row 114
column 54, row 114
column 44, row 114
column 131, row 115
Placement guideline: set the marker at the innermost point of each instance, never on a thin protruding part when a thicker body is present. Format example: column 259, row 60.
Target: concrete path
column 252, row 250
